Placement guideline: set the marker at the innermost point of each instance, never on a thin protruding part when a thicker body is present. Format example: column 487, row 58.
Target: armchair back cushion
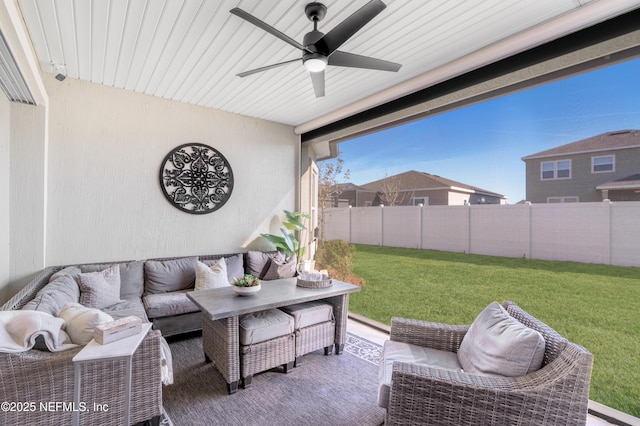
column 498, row 344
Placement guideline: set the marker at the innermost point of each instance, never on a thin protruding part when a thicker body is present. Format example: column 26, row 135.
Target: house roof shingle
column 628, row 182
column 414, row 180
column 620, row 139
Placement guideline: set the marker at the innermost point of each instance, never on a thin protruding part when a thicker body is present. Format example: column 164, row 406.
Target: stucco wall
column 105, row 201
column 27, row 193
column 5, row 253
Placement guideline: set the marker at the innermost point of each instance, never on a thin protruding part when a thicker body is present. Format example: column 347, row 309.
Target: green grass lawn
column 596, row 306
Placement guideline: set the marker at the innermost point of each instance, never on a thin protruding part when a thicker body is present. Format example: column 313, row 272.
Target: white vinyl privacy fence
column 606, row 232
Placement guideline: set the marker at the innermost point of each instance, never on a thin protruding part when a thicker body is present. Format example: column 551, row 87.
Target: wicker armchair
column 556, row 394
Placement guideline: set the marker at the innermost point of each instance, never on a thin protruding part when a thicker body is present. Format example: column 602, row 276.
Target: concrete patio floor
column 378, row 335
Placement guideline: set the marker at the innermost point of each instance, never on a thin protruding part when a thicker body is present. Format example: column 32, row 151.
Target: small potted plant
column 247, row 285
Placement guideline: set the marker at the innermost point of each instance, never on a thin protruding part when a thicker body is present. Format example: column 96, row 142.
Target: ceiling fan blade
column 344, row 59
column 268, row 67
column 266, row 27
column 347, row 28
column 317, row 78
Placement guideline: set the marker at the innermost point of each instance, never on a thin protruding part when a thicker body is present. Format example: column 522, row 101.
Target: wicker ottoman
column 266, row 341
column 315, row 327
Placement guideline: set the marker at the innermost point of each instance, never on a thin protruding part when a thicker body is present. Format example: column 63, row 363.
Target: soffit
column 190, row 50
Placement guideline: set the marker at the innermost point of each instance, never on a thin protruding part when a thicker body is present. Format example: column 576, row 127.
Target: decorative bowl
column 247, row 291
column 314, row 280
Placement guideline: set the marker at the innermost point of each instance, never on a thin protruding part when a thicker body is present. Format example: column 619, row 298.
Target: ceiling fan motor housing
column 315, row 11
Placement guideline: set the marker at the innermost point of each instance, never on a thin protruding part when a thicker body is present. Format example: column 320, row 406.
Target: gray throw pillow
column 131, row 277
column 281, row 268
column 100, row 289
column 258, row 262
column 499, row 344
column 161, row 276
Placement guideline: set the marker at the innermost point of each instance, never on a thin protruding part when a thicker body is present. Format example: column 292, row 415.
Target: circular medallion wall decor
column 196, row 178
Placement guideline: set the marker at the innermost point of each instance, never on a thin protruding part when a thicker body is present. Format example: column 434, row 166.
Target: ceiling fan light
column 316, row 64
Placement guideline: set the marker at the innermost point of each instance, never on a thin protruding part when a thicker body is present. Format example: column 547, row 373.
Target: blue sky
column 482, row 145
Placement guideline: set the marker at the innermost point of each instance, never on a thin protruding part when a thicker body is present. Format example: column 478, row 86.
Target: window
column 421, row 200
column 557, row 200
column 560, row 169
column 603, row 164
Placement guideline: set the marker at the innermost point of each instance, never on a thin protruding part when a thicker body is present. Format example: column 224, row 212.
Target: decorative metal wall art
column 196, row 178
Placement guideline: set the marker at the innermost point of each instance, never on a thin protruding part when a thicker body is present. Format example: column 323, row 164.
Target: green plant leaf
column 288, row 240
column 279, row 242
column 293, row 223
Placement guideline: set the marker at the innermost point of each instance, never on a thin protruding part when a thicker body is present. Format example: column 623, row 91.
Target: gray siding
column 583, row 182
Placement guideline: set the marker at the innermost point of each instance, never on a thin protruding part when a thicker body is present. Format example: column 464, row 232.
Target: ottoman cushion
column 261, row 326
column 309, row 313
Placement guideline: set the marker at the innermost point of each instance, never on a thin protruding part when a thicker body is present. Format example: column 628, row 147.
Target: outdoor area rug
column 322, row 390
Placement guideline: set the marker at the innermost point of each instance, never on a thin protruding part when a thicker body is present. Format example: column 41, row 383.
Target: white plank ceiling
column 191, row 50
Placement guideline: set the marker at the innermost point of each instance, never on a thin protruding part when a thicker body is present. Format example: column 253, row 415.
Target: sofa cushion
column 309, row 313
column 393, row 351
column 161, row 276
column 499, row 344
column 100, row 289
column 279, row 267
column 167, row 304
column 261, row 326
column 68, row 270
column 81, row 321
column 211, row 276
column 258, row 262
column 61, row 289
column 131, row 277
column 235, row 265
column 126, row 308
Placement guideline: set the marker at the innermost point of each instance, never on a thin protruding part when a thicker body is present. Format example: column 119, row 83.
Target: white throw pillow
column 80, row 321
column 100, row 289
column 213, row 276
column 497, row 343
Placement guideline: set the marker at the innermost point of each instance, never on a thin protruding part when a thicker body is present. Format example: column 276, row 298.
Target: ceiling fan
column 319, row 49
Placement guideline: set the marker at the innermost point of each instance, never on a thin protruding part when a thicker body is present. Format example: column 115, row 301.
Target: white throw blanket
column 19, row 329
column 167, row 362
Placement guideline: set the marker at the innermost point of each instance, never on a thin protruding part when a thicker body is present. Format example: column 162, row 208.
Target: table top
column 224, row 302
column 118, row 349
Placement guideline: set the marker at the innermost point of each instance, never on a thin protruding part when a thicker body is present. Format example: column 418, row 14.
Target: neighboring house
column 605, row 166
column 413, row 188
column 349, row 194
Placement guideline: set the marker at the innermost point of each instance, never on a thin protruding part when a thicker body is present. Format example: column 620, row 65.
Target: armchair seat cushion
column 412, row 354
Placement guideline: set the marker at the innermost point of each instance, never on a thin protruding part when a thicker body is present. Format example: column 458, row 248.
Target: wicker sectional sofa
column 154, row 290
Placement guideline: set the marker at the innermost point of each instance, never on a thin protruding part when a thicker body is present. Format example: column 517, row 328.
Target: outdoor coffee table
column 221, row 308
